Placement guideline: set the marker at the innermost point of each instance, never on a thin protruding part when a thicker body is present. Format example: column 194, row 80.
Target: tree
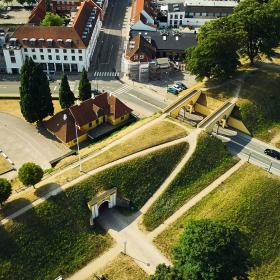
column 5, row 190
column 210, row 250
column 259, row 23
column 35, row 95
column 30, row 174
column 52, row 19
column 164, row 272
column 215, row 55
column 66, row 96
column 84, row 87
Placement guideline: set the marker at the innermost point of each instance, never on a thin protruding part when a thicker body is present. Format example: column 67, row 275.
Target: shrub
column 5, row 190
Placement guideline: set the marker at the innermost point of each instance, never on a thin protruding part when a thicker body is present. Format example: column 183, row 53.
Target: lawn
column 11, row 106
column 249, row 199
column 122, row 268
column 259, row 102
column 5, row 166
column 56, row 238
column 210, row 160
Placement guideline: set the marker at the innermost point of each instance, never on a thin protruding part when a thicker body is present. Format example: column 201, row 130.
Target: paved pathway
column 84, row 176
column 193, row 201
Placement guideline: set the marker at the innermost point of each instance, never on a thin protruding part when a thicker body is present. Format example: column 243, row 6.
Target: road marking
column 106, row 74
column 122, row 89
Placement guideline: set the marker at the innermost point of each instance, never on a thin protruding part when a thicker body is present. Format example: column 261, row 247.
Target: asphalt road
column 249, row 149
column 105, row 69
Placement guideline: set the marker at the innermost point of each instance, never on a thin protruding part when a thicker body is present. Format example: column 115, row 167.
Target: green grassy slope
column 55, row 237
column 259, row 101
column 250, row 199
column 209, row 161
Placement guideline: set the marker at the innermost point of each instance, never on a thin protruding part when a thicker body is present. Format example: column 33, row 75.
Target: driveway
column 22, row 142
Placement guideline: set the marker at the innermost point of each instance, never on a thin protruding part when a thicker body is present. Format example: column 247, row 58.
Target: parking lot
column 21, row 142
column 14, row 16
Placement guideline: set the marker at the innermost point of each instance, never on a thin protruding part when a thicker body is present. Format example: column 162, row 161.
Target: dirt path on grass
column 59, row 189
column 126, row 228
column 193, row 201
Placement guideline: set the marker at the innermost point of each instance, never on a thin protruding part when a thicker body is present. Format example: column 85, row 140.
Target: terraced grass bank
column 210, row 160
column 56, row 238
column 259, row 101
column 249, row 199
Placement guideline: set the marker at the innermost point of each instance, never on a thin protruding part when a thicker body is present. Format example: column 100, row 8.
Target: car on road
column 272, row 153
column 177, row 87
column 172, row 90
column 181, row 85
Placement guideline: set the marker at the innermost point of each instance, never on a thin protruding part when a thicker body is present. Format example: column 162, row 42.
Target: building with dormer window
column 57, row 48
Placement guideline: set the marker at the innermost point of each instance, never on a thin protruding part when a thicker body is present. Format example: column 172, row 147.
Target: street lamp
column 77, row 140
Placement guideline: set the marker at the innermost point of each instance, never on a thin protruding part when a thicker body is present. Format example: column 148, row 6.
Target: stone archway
column 109, row 196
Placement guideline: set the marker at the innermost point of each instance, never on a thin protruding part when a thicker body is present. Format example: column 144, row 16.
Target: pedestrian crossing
column 106, row 74
column 123, row 89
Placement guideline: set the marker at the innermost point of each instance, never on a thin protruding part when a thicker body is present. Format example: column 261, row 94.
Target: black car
column 272, row 153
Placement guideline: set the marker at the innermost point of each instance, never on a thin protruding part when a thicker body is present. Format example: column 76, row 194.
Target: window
column 41, row 50
column 170, row 22
column 72, row 51
column 49, row 50
column 42, row 57
column 12, row 53
column 171, row 16
column 64, row 51
column 176, row 16
column 34, row 57
column 80, row 51
column 65, row 57
column 73, row 58
column 25, row 50
column 33, row 50
column 90, row 124
column 56, row 50
column 49, row 57
column 13, row 59
column 181, row 16
column 57, row 57
column 80, row 58
column 141, row 56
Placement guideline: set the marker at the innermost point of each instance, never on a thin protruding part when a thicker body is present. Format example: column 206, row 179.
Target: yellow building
column 103, row 108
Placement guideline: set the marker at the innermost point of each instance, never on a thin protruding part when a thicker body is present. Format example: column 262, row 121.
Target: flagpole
column 78, row 146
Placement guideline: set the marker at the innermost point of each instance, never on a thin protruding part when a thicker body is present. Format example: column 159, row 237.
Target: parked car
column 272, row 153
column 183, row 86
column 172, row 90
column 177, row 87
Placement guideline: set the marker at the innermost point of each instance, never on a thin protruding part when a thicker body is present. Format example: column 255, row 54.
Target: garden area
column 250, row 200
column 209, row 161
column 56, row 238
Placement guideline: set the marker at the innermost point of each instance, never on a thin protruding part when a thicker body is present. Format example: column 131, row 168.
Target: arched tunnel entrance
column 103, row 208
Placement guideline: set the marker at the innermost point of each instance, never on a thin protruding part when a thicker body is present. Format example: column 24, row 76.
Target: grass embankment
column 249, row 199
column 122, row 268
column 156, row 134
column 55, row 237
column 5, row 166
column 209, row 161
column 259, row 102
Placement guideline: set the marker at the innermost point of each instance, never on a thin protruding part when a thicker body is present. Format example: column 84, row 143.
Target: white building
column 57, row 48
column 197, row 12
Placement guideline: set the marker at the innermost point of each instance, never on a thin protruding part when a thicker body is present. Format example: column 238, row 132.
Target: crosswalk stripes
column 106, row 74
column 121, row 90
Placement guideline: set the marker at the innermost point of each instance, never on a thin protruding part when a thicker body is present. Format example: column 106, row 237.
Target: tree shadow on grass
column 47, row 189
column 13, row 206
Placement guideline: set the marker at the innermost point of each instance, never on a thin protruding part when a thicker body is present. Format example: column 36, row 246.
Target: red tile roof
column 38, row 13
column 86, row 112
column 73, row 31
column 141, row 5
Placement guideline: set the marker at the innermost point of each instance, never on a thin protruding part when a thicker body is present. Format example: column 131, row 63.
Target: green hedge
column 210, row 160
column 55, row 237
